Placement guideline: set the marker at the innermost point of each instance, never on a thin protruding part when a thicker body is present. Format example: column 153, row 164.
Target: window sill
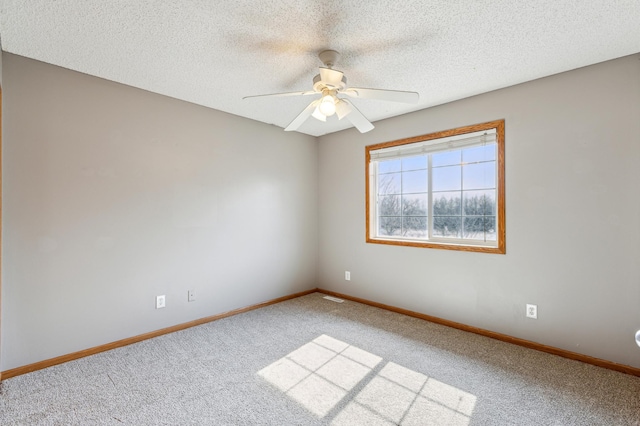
column 479, row 248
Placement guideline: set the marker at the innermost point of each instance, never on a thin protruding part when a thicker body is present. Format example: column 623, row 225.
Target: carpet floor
column 311, row 361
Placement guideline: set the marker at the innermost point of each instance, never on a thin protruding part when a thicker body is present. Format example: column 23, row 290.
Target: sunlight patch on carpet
column 323, row 373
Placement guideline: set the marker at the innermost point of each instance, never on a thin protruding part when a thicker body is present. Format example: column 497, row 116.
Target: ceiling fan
column 329, row 84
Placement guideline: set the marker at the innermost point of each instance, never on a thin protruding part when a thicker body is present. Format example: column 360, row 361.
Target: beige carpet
column 310, row 361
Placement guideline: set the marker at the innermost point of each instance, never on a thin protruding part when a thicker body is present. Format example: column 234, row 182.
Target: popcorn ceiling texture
column 214, row 53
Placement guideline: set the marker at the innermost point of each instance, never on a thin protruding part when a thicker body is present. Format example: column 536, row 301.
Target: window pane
column 480, row 228
column 447, row 204
column 479, row 203
column 447, row 226
column 479, row 175
column 390, row 226
column 414, row 227
column 414, row 163
column 446, row 178
column 479, row 153
column 389, row 205
column 389, row 183
column 414, row 205
column 413, row 182
column 446, row 158
column 389, row 166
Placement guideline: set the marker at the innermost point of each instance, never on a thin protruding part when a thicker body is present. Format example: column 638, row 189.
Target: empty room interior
column 178, row 248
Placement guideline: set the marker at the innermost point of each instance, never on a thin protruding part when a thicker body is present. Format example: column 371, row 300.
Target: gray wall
column 573, row 217
column 113, row 195
column 0, row 210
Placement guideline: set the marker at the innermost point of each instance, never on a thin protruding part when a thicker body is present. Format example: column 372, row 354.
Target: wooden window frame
column 500, row 247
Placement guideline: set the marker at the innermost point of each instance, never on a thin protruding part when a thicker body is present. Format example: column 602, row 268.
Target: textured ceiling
column 213, row 53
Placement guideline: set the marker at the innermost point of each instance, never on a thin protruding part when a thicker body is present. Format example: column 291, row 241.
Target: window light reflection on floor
column 323, row 372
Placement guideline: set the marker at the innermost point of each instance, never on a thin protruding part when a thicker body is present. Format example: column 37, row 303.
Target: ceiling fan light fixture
column 342, row 109
column 328, row 105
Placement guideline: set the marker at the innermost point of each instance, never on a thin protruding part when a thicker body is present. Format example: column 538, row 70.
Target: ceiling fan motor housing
column 319, row 85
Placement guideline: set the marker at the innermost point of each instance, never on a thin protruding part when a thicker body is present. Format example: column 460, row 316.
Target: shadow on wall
column 333, row 379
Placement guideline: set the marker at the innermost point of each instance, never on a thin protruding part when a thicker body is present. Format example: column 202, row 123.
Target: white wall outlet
column 191, row 295
column 160, row 302
column 347, row 276
column 532, row 311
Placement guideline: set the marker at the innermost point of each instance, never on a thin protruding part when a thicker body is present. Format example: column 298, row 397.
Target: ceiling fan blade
column 274, row 95
column 358, row 120
column 302, row 117
column 383, row 95
column 331, row 76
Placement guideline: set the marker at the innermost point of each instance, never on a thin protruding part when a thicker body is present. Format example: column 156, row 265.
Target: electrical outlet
column 532, row 311
column 347, row 276
column 160, row 302
column 191, row 295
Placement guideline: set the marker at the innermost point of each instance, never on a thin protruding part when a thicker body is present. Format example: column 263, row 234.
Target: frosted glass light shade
column 318, row 115
column 328, row 106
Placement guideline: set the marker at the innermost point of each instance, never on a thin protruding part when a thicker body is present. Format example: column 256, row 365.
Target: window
column 442, row 190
